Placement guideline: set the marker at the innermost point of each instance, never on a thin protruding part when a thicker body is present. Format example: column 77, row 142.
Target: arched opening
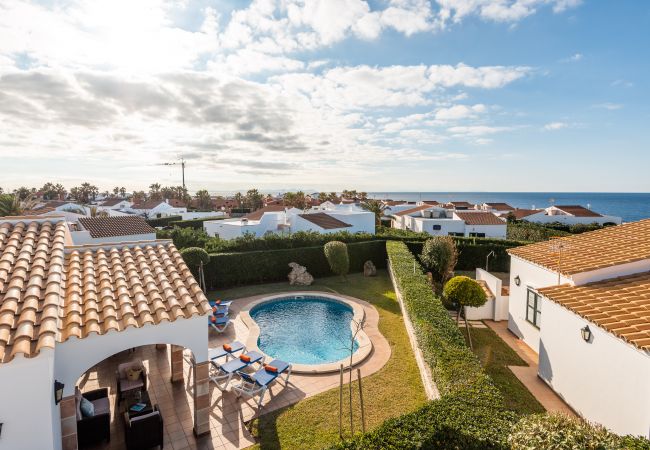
column 131, row 410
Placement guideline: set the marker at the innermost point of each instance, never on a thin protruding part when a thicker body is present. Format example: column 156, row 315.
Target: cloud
column 553, row 126
column 574, row 58
column 458, row 112
column 609, row 106
column 497, row 10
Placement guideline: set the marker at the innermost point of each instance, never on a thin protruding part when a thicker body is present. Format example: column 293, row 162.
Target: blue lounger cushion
column 218, row 320
column 263, row 377
column 219, row 352
column 237, row 364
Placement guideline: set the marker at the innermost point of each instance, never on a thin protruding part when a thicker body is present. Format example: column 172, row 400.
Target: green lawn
column 495, row 355
column 394, row 390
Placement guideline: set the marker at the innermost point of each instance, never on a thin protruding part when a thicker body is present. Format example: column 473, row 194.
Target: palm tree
column 10, row 205
column 203, row 200
column 376, row 207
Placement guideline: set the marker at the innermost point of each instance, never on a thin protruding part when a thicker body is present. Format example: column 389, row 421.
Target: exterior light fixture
column 58, row 391
column 586, row 333
column 517, row 280
column 1, row 428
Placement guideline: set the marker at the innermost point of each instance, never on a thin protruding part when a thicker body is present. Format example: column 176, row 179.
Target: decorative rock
column 299, row 275
column 369, row 269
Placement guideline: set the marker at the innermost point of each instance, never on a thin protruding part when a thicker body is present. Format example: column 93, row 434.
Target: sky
column 377, row 95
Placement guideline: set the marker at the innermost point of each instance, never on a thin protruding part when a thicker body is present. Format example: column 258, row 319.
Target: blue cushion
column 87, row 408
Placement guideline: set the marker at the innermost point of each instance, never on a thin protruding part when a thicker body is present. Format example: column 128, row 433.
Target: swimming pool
column 304, row 329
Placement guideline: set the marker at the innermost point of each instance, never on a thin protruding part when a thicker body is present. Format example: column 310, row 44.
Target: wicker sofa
column 97, row 427
column 144, row 431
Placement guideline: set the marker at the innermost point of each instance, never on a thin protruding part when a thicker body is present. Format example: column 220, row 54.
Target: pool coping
column 358, row 315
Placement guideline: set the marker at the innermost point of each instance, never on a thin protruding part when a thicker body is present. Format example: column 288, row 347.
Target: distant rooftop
column 479, row 218
column 325, row 221
column 577, row 210
column 115, row 226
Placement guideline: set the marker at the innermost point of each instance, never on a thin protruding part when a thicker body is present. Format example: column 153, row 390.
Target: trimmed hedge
column 163, row 221
column 471, row 255
column 235, row 269
column 471, row 412
column 197, row 224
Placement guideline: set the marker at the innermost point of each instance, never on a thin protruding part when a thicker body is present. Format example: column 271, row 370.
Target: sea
column 629, row 206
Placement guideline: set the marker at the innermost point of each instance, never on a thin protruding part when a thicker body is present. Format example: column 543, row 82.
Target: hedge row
column 471, row 256
column 163, row 221
column 471, row 412
column 235, row 269
column 196, row 224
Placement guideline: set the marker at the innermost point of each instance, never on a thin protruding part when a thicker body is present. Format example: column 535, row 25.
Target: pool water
column 309, row 330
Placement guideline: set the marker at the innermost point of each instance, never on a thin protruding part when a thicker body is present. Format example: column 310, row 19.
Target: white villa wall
column 227, row 229
column 201, row 214
column 124, row 204
column 361, row 221
column 494, row 309
column 75, row 356
column 84, row 237
column 422, row 224
column 605, row 380
column 531, row 276
column 491, row 231
column 30, row 418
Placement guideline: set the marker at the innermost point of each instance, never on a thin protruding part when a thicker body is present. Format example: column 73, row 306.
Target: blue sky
column 392, row 95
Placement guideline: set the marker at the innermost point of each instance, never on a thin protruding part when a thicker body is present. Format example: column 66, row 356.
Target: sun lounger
column 219, row 324
column 259, row 382
column 223, row 373
column 220, row 308
column 220, row 352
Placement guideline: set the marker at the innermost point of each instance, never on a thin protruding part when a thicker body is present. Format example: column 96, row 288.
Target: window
column 533, row 307
column 479, row 235
column 437, row 227
column 456, row 234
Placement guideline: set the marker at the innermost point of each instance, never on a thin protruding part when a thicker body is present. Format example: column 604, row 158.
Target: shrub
column 185, row 237
column 163, row 221
column 463, row 291
column 440, row 256
column 194, row 256
column 337, row 256
column 559, row 431
column 235, row 269
column 197, row 224
column 470, row 414
column 533, row 232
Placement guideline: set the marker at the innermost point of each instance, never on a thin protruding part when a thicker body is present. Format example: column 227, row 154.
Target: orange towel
column 245, row 358
column 271, row 368
column 227, row 347
column 213, row 319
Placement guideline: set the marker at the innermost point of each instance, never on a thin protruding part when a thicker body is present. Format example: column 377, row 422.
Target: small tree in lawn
column 196, row 258
column 337, row 256
column 440, row 255
column 464, row 292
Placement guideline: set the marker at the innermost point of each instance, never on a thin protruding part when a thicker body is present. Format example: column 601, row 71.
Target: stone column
column 68, row 423
column 201, row 399
column 177, row 363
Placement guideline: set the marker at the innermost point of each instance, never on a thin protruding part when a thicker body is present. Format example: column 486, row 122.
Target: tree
column 138, row 197
column 323, row 197
column 154, row 191
column 295, row 199
column 84, row 193
column 254, row 199
column 51, row 191
column 123, row 192
column 239, row 198
column 116, row 191
column 24, row 193
column 376, row 207
column 203, row 200
column 440, row 255
column 463, row 292
column 10, row 205
column 337, row 256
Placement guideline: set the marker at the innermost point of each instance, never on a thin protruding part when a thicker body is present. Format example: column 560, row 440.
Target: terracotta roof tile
column 147, row 204
column 593, row 250
column 577, row 210
column 257, row 215
column 115, row 226
column 325, row 221
column 521, row 213
column 112, row 201
column 618, row 305
column 406, row 212
column 500, row 206
column 479, row 218
column 48, row 296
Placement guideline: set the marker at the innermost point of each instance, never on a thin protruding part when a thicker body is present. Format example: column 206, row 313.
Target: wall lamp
column 586, row 333
column 517, row 280
column 58, row 391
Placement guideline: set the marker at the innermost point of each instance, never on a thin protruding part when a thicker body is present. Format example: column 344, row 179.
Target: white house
column 439, row 221
column 498, row 298
column 583, row 304
column 65, row 308
column 154, row 209
column 280, row 220
column 115, row 203
column 565, row 214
